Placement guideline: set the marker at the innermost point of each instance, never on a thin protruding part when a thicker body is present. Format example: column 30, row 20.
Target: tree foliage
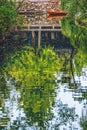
column 75, row 6
column 78, row 38
column 8, row 16
column 75, row 27
column 38, row 68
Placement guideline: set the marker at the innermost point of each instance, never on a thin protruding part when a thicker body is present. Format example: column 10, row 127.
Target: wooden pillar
column 52, row 35
column 33, row 38
column 39, row 39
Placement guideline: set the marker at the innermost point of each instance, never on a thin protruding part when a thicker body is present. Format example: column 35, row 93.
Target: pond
column 43, row 85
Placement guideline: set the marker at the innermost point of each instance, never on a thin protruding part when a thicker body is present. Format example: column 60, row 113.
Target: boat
column 57, row 12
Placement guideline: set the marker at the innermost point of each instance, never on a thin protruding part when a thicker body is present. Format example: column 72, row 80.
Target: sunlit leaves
column 30, row 67
column 80, row 61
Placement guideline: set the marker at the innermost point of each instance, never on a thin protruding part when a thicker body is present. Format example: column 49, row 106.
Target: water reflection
column 36, row 109
column 47, row 105
column 37, row 100
column 75, row 99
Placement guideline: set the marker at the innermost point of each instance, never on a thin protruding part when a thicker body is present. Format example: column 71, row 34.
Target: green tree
column 72, row 8
column 78, row 13
column 8, row 16
column 78, row 38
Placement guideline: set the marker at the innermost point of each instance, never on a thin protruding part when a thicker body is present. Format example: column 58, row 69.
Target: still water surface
column 66, row 113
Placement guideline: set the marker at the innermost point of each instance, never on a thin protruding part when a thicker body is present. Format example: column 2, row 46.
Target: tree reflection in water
column 37, row 102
